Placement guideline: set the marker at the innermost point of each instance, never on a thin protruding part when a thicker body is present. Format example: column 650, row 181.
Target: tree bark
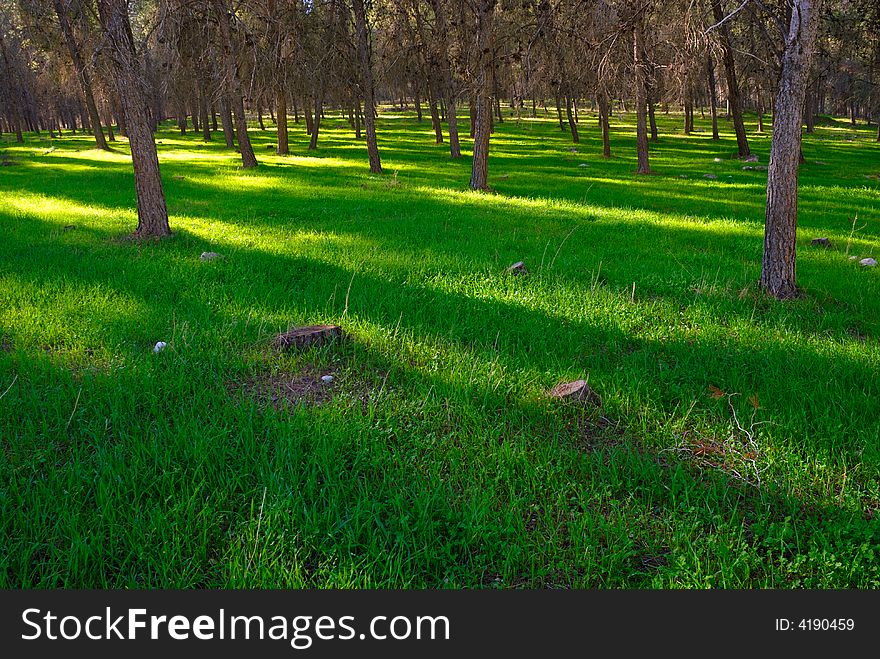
column 82, row 74
column 482, row 95
column 366, row 76
column 151, row 208
column 778, row 272
column 733, row 98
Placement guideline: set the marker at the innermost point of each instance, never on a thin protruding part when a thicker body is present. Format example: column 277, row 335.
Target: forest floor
column 737, row 445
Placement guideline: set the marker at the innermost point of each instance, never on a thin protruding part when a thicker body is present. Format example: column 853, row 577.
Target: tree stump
column 576, row 392
column 299, row 338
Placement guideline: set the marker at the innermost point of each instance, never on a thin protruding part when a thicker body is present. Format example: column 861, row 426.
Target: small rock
column 748, row 168
column 583, row 164
column 159, row 347
column 303, row 337
column 717, row 159
column 209, row 256
column 820, row 242
column 868, row 263
column 327, row 379
column 573, row 149
column 751, row 158
column 682, row 176
column 577, row 391
column 853, row 258
column 518, row 268
column 710, row 176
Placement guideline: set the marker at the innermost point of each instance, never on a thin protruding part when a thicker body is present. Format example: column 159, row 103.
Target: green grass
column 439, row 461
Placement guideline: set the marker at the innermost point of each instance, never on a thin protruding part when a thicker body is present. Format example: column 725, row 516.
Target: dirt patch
column 285, row 389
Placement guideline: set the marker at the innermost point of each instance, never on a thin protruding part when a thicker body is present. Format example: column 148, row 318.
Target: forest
column 439, row 294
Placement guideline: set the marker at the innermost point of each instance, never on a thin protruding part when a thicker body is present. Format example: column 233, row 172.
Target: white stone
column 159, row 347
column 209, row 256
column 327, row 378
column 868, row 263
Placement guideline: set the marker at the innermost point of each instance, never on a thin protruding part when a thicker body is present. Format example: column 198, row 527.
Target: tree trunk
column 780, row 228
column 366, row 71
column 641, row 96
column 713, row 95
column 602, row 102
column 233, row 82
column 482, row 95
column 652, row 120
column 316, row 122
column 82, row 74
column 282, row 148
column 734, row 103
column 435, row 115
column 203, row 112
column 151, row 208
column 571, row 122
column 310, row 121
column 226, row 122
column 809, row 110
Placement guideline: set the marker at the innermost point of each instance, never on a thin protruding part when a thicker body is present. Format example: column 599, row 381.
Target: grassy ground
column 738, row 444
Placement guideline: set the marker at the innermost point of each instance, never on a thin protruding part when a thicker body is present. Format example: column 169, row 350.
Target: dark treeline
column 87, row 65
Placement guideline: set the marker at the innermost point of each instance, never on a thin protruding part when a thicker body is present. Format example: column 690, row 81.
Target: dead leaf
column 753, row 400
column 715, row 393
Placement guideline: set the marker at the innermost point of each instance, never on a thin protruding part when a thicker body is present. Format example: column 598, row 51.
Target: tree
column 482, row 91
column 82, row 72
column 780, row 228
column 366, row 83
column 733, row 96
column 152, row 212
column 233, row 82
